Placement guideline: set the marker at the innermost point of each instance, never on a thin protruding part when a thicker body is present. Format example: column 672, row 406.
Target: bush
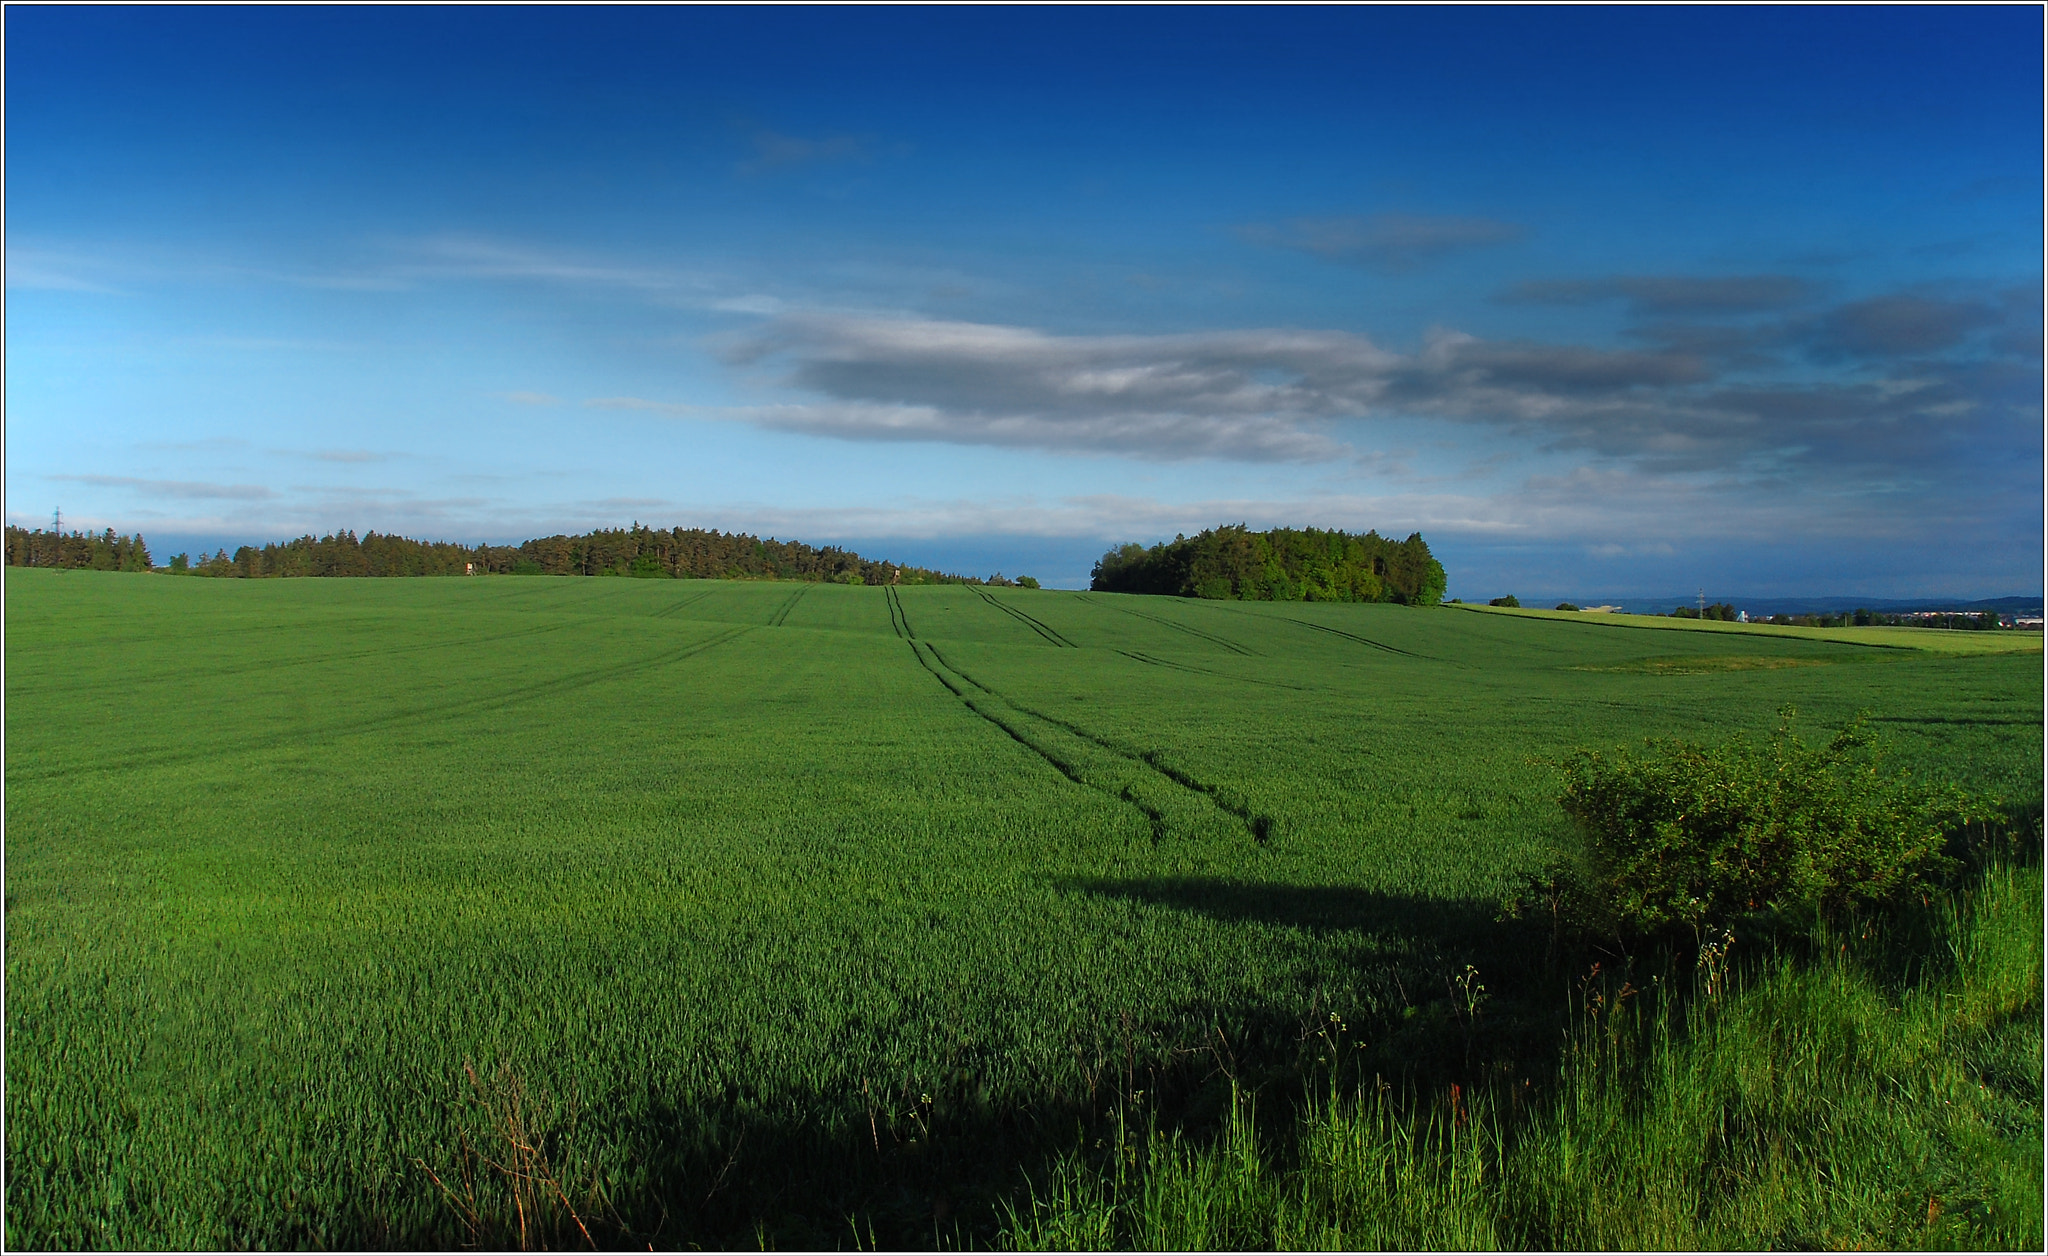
column 1684, row 835
column 1509, row 600
column 1567, row 606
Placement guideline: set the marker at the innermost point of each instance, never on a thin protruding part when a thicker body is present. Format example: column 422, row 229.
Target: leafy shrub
column 1567, row 606
column 1692, row 836
column 1509, row 600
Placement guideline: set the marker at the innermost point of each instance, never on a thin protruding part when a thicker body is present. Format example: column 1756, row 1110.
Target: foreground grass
column 1877, row 1090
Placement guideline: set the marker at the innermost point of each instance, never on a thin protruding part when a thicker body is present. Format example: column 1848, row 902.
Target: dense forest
column 635, row 551
column 87, row 551
column 1282, row 565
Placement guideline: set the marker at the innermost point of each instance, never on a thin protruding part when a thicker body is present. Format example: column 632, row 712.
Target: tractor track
column 1259, row 826
column 1205, row 671
column 781, row 615
column 1029, row 622
column 691, row 600
column 349, row 728
column 1352, row 636
column 981, row 706
column 897, row 619
column 1211, row 638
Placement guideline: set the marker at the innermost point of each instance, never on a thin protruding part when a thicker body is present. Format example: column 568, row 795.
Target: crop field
column 767, row 913
column 1939, row 641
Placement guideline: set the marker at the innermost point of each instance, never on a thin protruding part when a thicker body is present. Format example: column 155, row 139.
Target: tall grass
column 1879, row 1088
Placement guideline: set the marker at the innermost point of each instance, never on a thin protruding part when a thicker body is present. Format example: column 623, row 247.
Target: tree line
column 1234, row 563
column 1721, row 611
column 681, row 553
column 1981, row 621
column 85, row 551
column 1858, row 618
column 697, row 553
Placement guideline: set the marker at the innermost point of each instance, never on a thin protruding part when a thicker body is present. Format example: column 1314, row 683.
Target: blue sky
column 1601, row 301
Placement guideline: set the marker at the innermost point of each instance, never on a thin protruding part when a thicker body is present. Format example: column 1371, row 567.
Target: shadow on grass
column 1315, row 907
column 1445, row 994
column 933, row 1163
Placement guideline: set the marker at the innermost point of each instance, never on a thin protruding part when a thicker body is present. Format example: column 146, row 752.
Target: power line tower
column 57, row 521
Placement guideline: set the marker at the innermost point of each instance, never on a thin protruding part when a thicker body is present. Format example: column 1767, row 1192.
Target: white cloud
column 752, row 303
column 641, row 403
column 188, row 489
column 1270, row 395
column 32, row 269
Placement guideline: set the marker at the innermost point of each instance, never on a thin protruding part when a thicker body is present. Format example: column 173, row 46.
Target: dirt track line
column 183, row 677
column 781, row 615
column 939, row 668
column 350, row 728
column 1211, row 638
column 1027, row 621
column 1204, row 671
column 897, row 619
column 691, row 600
column 1259, row 826
column 1352, row 636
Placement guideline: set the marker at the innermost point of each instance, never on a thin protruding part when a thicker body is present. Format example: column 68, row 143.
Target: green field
column 1936, row 640
column 795, row 914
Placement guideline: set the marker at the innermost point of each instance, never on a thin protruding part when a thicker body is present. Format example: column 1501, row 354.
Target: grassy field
column 354, row 912
column 1932, row 640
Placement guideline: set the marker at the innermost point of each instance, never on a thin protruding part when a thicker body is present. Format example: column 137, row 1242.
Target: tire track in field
column 1026, row 620
column 938, row 668
column 187, row 675
column 1211, row 638
column 781, row 614
column 985, row 706
column 1205, row 671
column 897, row 619
column 673, row 611
column 1352, row 636
column 1011, row 728
column 370, row 724
column 1259, row 826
